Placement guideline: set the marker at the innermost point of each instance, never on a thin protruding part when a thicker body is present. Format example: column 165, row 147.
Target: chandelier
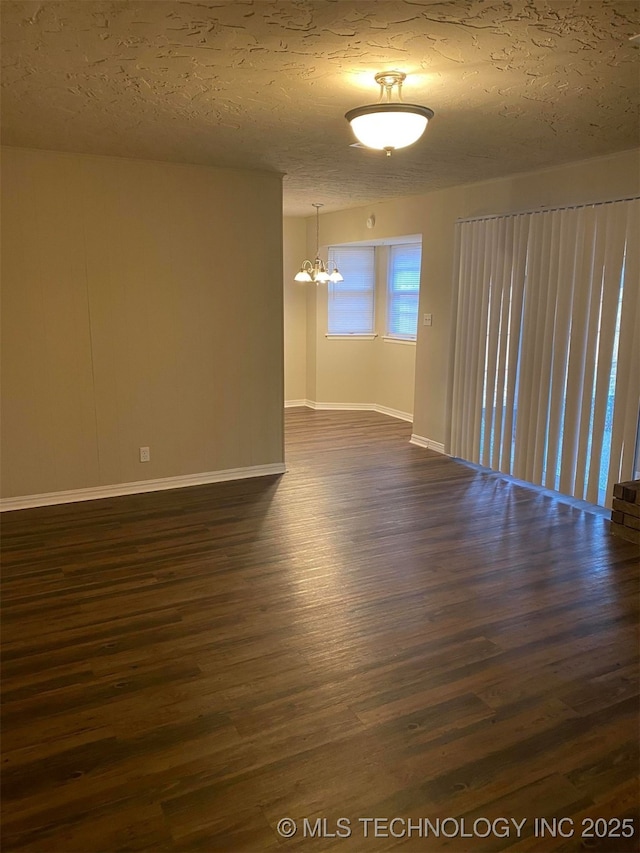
column 389, row 124
column 317, row 271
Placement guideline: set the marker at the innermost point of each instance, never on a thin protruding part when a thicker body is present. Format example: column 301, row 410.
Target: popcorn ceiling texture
column 264, row 85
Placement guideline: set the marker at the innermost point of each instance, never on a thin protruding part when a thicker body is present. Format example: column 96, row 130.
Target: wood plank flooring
column 382, row 632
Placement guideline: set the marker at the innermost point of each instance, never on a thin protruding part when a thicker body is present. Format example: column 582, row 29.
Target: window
column 351, row 301
column 403, row 291
column 544, row 384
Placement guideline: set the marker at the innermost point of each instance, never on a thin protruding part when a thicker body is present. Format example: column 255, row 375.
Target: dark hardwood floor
column 381, row 633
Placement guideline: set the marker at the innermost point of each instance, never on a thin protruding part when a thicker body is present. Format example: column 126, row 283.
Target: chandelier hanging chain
column 317, row 206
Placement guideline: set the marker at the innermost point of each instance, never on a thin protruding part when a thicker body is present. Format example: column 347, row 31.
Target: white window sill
column 389, row 340
column 351, row 337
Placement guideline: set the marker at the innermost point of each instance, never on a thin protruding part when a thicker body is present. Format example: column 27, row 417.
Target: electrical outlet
column 145, row 454
column 428, row 319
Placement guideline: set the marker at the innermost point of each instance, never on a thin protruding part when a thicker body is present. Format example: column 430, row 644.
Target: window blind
column 544, row 384
column 403, row 290
column 351, row 302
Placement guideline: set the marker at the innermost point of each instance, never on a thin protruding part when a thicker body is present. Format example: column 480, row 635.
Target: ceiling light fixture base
column 388, row 79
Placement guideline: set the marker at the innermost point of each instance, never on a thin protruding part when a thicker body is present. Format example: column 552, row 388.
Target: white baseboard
column 428, row 443
column 341, row 407
column 141, row 486
column 358, row 407
column 393, row 413
column 293, row 404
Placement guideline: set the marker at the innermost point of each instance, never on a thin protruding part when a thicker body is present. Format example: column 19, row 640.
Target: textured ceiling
column 514, row 85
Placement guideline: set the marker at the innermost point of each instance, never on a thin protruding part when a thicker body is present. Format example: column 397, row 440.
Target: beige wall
column 395, row 361
column 133, row 315
column 433, row 215
column 295, row 311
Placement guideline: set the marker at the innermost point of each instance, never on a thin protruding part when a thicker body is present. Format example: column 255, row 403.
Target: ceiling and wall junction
column 515, row 86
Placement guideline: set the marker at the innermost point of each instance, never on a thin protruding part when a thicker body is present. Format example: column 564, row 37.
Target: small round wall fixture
column 389, row 125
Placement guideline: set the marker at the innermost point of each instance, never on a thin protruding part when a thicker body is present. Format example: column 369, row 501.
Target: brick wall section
column 625, row 516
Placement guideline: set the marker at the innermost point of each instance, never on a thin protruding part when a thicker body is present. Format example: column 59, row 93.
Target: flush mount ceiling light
column 389, row 124
column 317, row 270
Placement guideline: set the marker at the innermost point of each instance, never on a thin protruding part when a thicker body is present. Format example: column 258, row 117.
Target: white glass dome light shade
column 319, row 273
column 389, row 126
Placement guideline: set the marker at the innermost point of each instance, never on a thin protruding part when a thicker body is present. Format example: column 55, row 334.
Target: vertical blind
column 545, row 382
column 403, row 290
column 351, row 302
